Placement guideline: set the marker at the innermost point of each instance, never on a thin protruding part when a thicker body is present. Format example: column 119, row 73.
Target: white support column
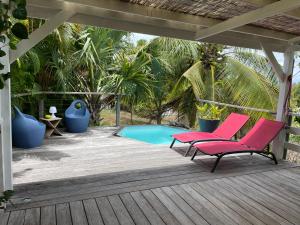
column 278, row 144
column 6, row 178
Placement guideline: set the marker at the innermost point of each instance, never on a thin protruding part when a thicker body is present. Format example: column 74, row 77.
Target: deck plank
column 63, row 214
column 172, row 207
column 48, row 216
column 16, row 218
column 120, row 210
column 236, row 204
column 284, row 181
column 92, row 212
column 273, row 217
column 276, row 187
column 32, row 216
column 134, row 210
column 204, row 190
column 281, row 199
column 208, row 215
column 108, row 215
column 4, row 218
column 78, row 213
column 287, row 177
column 269, row 202
column 188, row 210
column 147, row 209
column 294, row 175
column 204, row 202
column 161, row 210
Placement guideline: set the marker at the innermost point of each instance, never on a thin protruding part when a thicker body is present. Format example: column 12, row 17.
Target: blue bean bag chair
column 27, row 131
column 77, row 117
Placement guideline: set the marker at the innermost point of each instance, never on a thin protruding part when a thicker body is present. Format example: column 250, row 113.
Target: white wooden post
column 278, row 144
column 6, row 181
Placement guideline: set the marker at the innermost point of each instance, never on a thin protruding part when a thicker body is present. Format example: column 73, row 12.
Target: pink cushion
column 256, row 139
column 192, row 136
column 231, row 125
column 213, row 148
column 263, row 132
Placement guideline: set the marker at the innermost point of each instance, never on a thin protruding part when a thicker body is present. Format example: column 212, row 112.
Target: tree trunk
column 158, row 119
column 131, row 115
column 95, row 109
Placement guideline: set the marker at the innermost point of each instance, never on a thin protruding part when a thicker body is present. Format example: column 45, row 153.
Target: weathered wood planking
column 94, row 152
column 100, row 180
column 64, row 193
column 48, row 215
column 257, row 198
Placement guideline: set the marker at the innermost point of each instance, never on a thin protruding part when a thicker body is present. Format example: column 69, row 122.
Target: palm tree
column 130, row 78
column 96, row 48
column 236, row 79
column 47, row 66
column 165, row 70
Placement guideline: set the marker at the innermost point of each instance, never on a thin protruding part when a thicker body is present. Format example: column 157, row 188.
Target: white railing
column 292, row 146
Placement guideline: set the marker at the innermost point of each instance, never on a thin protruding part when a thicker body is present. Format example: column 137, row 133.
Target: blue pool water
column 154, row 134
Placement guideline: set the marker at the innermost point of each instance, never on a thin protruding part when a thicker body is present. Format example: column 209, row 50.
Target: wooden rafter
column 250, row 17
column 127, row 12
column 273, row 61
column 295, row 40
column 295, row 13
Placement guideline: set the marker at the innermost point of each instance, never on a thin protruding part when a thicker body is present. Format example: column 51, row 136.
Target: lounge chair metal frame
column 217, row 137
column 265, row 153
column 194, row 142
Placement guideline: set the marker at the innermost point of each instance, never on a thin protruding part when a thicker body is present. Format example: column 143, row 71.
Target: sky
column 279, row 56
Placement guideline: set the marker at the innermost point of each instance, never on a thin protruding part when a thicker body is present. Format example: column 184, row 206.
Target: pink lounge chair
column 231, row 125
column 257, row 140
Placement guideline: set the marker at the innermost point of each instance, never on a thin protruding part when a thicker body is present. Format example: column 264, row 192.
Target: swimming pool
column 154, row 134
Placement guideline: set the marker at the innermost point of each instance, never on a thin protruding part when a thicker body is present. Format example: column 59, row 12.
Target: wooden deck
column 157, row 186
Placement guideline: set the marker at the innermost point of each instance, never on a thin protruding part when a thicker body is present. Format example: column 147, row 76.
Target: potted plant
column 209, row 117
column 6, row 196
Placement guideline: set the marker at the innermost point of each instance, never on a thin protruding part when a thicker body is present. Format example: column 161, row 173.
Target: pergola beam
column 125, row 11
column 295, row 13
column 250, row 17
column 273, row 61
column 295, row 40
column 42, row 32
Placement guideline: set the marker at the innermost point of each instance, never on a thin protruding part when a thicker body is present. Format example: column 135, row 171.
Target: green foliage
column 209, row 112
column 10, row 30
column 78, row 106
column 6, row 196
column 20, row 31
column 20, row 13
column 155, row 78
column 295, row 96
